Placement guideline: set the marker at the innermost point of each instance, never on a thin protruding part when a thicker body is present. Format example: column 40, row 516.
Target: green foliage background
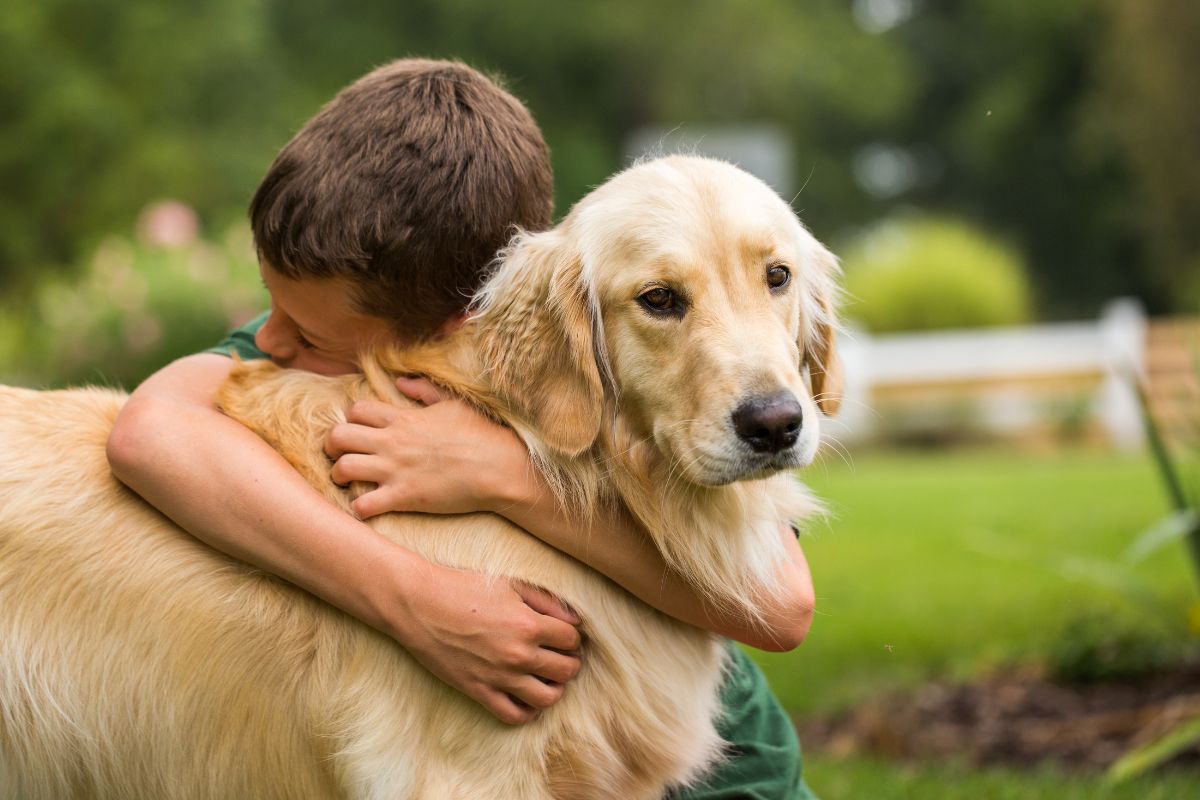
column 1062, row 128
column 930, row 273
column 129, row 310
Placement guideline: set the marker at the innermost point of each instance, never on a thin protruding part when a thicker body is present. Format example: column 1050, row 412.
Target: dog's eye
column 659, row 300
column 778, row 277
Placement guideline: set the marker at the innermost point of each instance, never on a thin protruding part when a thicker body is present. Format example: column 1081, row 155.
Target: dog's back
column 134, row 661
column 137, row 662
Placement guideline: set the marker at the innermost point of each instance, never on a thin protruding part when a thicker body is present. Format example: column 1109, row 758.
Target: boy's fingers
column 374, row 413
column 558, row 667
column 506, row 708
column 545, row 603
column 537, row 694
column 419, row 389
column 561, row 636
column 357, row 467
column 371, row 504
column 349, row 438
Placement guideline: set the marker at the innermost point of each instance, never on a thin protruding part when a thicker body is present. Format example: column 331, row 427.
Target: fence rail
column 1037, row 381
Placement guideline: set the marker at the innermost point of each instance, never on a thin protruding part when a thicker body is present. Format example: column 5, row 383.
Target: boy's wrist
column 506, row 489
column 388, row 590
column 502, row 485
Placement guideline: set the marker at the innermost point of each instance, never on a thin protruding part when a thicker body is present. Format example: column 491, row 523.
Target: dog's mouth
column 792, row 458
column 758, row 466
column 736, row 461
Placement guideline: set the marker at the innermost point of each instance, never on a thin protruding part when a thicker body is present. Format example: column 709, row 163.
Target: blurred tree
column 110, row 104
column 115, row 104
column 1147, row 66
column 592, row 72
column 996, row 127
column 985, row 109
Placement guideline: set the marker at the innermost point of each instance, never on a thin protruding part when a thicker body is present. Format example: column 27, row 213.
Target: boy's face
column 313, row 325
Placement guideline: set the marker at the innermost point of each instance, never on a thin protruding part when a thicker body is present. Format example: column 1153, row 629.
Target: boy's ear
column 536, row 339
column 818, row 343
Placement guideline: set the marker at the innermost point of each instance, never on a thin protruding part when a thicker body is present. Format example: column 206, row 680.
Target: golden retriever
column 666, row 346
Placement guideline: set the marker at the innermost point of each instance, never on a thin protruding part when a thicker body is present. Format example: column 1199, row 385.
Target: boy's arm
column 615, row 545
column 446, row 458
column 218, row 480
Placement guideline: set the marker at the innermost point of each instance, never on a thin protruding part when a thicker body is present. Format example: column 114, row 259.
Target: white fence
column 1008, row 378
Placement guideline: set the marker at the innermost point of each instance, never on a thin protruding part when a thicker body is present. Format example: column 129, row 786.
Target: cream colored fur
column 135, row 662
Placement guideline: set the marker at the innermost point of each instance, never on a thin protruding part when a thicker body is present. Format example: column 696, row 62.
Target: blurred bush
column 1116, row 645
column 136, row 305
column 928, row 273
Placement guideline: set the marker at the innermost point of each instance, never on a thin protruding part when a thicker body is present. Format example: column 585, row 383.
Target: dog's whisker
column 862, row 404
column 828, row 423
column 841, row 450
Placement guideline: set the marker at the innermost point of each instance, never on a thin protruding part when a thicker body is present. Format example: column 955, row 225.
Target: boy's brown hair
column 406, row 184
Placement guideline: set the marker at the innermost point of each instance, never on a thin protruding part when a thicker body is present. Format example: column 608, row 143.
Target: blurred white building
column 763, row 150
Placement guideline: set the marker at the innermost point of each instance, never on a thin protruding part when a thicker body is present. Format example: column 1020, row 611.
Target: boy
column 376, row 221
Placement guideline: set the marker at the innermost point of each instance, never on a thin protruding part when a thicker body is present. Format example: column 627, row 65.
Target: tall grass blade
column 1170, row 472
column 1158, row 448
column 1145, row 758
column 1167, row 530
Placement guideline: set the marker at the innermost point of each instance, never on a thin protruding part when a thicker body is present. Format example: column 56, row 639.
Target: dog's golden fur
column 137, row 662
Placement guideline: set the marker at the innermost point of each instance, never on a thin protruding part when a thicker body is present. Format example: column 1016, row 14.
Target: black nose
column 770, row 423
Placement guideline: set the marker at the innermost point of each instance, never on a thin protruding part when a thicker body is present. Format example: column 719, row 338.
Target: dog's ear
column 818, row 338
column 536, row 336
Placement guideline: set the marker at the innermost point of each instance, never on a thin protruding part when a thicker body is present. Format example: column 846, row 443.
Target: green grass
column 947, row 564
column 952, row 564
column 861, row 779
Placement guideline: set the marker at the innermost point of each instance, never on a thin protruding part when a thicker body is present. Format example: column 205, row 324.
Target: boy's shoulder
column 240, row 342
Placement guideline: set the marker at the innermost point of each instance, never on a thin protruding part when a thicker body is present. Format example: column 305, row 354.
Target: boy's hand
column 507, row 645
column 441, row 458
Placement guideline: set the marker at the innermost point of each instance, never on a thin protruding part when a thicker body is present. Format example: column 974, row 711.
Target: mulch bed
column 1019, row 718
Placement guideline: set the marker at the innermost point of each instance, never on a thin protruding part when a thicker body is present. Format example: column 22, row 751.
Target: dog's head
column 684, row 293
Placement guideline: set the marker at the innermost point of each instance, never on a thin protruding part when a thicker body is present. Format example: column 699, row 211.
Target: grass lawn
column 861, row 779
column 955, row 563
column 949, row 563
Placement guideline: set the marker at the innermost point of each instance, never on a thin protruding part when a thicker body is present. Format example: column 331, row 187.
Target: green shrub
column 1113, row 646
column 130, row 310
column 926, row 273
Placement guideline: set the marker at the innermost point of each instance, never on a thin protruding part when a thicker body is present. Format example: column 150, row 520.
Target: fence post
column 855, row 420
column 1122, row 328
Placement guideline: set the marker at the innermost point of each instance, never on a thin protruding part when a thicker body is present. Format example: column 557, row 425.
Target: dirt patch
column 1019, row 718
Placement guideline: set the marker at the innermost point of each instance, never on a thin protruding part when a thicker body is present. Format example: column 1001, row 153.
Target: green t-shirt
column 764, row 754
column 241, row 341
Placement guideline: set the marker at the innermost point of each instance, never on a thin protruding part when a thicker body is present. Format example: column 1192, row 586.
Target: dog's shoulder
column 292, row 410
